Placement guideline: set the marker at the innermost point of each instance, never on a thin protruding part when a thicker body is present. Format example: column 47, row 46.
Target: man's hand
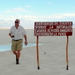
column 12, row 36
column 25, row 42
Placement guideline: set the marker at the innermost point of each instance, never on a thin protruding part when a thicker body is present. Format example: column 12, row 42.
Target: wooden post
column 37, row 51
column 67, row 53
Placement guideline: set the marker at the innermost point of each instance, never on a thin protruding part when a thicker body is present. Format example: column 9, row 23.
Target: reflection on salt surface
column 8, row 47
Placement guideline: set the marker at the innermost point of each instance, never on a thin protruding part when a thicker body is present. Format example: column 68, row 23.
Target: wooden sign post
column 67, row 52
column 37, row 52
column 52, row 29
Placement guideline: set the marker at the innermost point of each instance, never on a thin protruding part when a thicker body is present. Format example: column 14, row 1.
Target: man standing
column 17, row 33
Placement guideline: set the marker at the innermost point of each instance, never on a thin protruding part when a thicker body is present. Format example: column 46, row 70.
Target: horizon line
column 9, row 28
column 24, row 28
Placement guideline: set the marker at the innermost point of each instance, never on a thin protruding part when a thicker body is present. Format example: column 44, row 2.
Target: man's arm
column 25, row 37
column 10, row 34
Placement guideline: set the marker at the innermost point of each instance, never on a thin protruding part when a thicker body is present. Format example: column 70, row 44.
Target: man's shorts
column 16, row 45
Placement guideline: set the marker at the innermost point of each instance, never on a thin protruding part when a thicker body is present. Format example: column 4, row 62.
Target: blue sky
column 29, row 11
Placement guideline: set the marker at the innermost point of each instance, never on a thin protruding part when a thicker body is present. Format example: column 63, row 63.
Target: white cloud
column 48, row 17
column 28, row 20
column 39, row 17
column 69, row 14
column 27, row 6
column 26, row 17
column 57, row 16
column 34, row 2
column 17, row 10
column 30, row 17
column 8, row 23
column 60, row 16
column 48, row 2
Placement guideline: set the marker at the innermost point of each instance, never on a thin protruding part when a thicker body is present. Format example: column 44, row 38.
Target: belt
column 17, row 40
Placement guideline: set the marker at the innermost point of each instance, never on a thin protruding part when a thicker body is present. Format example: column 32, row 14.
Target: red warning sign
column 53, row 28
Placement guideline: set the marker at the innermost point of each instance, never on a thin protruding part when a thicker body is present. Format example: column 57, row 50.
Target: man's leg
column 19, row 48
column 15, row 52
column 18, row 54
column 17, row 57
column 14, row 47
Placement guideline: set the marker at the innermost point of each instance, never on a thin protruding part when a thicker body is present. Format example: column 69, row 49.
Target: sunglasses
column 16, row 22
